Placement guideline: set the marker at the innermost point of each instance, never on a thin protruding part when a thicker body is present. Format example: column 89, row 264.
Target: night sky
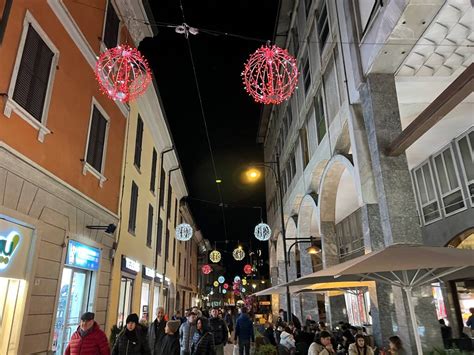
column 232, row 116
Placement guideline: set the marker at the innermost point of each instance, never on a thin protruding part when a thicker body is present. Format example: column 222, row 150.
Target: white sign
column 149, row 272
column 132, row 264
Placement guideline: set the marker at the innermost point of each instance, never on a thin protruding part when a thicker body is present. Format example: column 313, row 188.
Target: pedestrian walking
column 186, row 333
column 88, row 339
column 156, row 332
column 171, row 338
column 244, row 333
column 219, row 329
column 470, row 321
column 360, row 347
column 229, row 320
column 203, row 339
column 396, row 346
column 132, row 339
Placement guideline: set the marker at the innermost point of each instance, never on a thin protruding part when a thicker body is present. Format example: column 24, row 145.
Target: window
column 162, row 187
column 154, row 158
column 168, row 204
column 367, row 10
column 167, row 244
column 138, row 143
column 30, row 88
column 323, row 24
column 132, row 218
column 125, row 300
column 304, row 146
column 150, row 226
column 159, row 235
column 426, row 193
column 5, row 7
column 320, row 118
column 306, row 75
column 96, row 141
column 111, row 30
column 175, row 213
column 145, row 301
column 466, row 151
column 179, row 265
column 331, row 91
column 174, row 251
column 448, row 182
column 293, row 164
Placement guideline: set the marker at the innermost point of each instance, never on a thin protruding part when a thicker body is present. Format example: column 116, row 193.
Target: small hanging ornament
column 262, row 232
column 237, row 279
column 226, row 286
column 123, row 73
column 206, row 269
column 270, row 75
column 248, row 269
column 238, row 253
column 244, row 282
column 216, row 284
column 224, row 292
column 221, row 279
column 184, row 232
column 215, row 256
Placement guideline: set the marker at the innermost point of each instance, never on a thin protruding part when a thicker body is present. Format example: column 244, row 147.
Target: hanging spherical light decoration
column 224, row 292
column 215, row 256
column 123, row 73
column 244, row 282
column 221, row 279
column 262, row 231
column 184, row 232
column 216, row 284
column 226, row 286
column 244, row 289
column 206, row 269
column 270, row 75
column 238, row 253
column 237, row 279
column 248, row 269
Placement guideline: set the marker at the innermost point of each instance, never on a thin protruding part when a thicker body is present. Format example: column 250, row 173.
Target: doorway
column 73, row 301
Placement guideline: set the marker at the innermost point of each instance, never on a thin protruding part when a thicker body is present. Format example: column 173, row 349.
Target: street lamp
column 253, row 175
column 313, row 249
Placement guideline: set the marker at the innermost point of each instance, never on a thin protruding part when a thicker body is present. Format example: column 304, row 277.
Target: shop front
column 129, row 271
column 16, row 247
column 77, row 291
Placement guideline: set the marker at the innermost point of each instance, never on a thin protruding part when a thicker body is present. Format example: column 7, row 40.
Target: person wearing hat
column 132, row 339
column 88, row 339
column 171, row 340
column 186, row 332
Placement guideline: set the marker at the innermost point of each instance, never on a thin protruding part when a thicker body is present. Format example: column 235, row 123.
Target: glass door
column 72, row 303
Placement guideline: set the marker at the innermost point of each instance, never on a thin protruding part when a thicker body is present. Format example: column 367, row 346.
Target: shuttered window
column 168, row 204
column 132, row 218
column 33, row 74
column 112, row 23
column 159, row 235
column 162, row 187
column 95, row 146
column 153, row 170
column 138, row 143
column 150, row 226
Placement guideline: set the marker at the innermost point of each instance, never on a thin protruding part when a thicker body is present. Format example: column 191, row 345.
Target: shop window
column 149, row 231
column 111, row 29
column 320, row 117
column 145, row 302
column 138, row 143
column 125, row 300
column 426, row 194
column 322, row 19
column 448, row 182
column 156, row 301
column 154, row 159
column 466, row 151
column 358, row 306
column 96, row 142
column 132, row 217
column 12, row 302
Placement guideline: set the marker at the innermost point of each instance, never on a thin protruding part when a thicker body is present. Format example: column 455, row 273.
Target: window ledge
column 11, row 106
column 89, row 168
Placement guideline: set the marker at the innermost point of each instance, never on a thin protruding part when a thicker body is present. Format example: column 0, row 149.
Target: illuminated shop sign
column 8, row 246
column 130, row 265
column 148, row 273
column 82, row 256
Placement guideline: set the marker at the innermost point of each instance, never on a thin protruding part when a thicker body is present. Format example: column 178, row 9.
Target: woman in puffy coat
column 360, row 347
column 132, row 340
column 203, row 340
column 288, row 340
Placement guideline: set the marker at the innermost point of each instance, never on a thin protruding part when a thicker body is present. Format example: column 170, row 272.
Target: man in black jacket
column 219, row 329
column 156, row 332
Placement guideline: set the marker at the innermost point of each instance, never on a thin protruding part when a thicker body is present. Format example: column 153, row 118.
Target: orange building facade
column 61, row 163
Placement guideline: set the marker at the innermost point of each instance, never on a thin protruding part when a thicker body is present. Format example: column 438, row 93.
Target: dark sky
column 232, row 116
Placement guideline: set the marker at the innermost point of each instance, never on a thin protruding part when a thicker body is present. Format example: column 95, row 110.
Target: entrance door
column 72, row 303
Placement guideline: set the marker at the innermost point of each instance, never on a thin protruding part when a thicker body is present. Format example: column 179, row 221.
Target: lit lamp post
column 253, row 175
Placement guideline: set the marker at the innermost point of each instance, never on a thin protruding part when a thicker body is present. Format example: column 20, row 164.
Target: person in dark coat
column 88, row 339
column 229, row 320
column 269, row 334
column 131, row 340
column 171, row 339
column 203, row 339
column 219, row 330
column 244, row 332
column 156, row 332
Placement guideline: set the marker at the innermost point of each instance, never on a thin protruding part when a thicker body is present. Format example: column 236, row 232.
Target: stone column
column 281, row 280
column 329, row 244
column 295, row 298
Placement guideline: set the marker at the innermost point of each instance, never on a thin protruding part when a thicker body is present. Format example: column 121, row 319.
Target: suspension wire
column 203, row 115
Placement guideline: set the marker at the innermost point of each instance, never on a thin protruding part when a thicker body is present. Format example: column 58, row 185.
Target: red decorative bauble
column 248, row 269
column 206, row 269
column 123, row 73
column 226, row 286
column 237, row 292
column 270, row 75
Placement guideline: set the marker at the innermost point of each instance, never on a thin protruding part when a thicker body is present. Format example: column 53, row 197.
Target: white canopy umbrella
column 401, row 265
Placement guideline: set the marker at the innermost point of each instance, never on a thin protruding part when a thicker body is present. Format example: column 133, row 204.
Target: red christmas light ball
column 226, row 286
column 270, row 75
column 248, row 269
column 123, row 73
column 206, row 269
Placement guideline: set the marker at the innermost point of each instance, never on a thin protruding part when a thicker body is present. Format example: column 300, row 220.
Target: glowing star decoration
column 270, row 75
column 248, row 269
column 221, row 279
column 238, row 253
column 123, row 73
column 206, row 269
column 216, row 284
column 226, row 286
column 262, row 232
column 215, row 256
column 184, row 232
